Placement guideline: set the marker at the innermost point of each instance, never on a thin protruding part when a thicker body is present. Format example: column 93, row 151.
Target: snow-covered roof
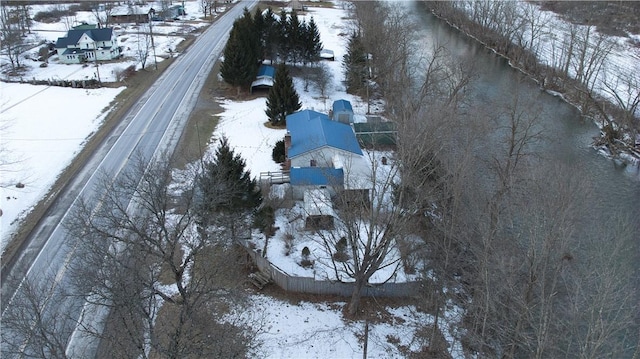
column 326, row 54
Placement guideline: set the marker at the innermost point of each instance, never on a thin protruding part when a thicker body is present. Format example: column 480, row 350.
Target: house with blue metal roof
column 342, row 111
column 315, row 139
column 322, row 153
column 82, row 45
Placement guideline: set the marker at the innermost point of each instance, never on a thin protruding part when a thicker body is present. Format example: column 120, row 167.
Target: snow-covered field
column 45, row 128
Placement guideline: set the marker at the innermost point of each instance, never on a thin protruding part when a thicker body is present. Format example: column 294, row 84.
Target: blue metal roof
column 311, row 130
column 316, row 176
column 266, row 70
column 342, row 105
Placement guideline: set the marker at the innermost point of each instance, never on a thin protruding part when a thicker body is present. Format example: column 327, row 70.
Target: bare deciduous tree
column 35, row 325
column 625, row 91
column 143, row 43
column 141, row 260
column 11, row 35
column 367, row 226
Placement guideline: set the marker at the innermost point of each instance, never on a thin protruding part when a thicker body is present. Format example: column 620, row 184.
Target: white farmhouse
column 82, row 45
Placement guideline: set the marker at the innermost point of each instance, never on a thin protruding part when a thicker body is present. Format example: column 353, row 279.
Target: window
column 313, row 163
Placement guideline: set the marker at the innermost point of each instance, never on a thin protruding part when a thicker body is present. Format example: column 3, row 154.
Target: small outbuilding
column 265, row 78
column 318, row 208
column 327, row 54
column 342, row 111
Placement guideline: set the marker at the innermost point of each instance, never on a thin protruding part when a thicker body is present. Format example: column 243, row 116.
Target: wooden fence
column 315, row 286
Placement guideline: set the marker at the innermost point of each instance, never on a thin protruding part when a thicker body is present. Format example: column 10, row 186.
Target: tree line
column 576, row 61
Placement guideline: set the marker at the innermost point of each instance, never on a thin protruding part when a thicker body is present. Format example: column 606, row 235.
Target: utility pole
column 95, row 60
column 152, row 14
column 369, row 76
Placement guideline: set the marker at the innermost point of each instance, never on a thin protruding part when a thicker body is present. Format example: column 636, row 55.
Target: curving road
column 151, row 128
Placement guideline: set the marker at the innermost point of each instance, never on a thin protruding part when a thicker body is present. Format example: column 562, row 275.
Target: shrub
column 278, row 152
column 341, row 251
column 340, row 257
column 53, row 15
column 306, row 262
column 288, row 243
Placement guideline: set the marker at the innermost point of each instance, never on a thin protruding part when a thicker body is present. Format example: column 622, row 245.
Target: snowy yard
column 318, row 330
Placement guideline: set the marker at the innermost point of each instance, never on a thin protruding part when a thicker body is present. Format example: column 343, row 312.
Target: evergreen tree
column 227, row 189
column 283, row 99
column 260, row 28
column 295, row 37
column 241, row 53
column 355, row 64
column 278, row 152
column 284, row 45
column 271, row 35
column 312, row 43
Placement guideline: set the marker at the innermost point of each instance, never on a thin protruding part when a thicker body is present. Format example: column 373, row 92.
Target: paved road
column 151, row 128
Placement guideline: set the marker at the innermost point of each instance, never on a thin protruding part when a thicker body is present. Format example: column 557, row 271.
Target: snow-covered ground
column 45, row 128
column 48, row 125
column 318, row 330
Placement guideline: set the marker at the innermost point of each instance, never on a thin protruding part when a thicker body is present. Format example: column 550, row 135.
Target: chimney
column 287, row 144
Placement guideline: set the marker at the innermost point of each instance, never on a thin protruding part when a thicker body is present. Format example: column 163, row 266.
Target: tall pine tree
column 295, row 37
column 354, row 64
column 312, row 43
column 241, row 53
column 260, row 28
column 284, row 45
column 283, row 99
column 227, row 190
column 272, row 35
